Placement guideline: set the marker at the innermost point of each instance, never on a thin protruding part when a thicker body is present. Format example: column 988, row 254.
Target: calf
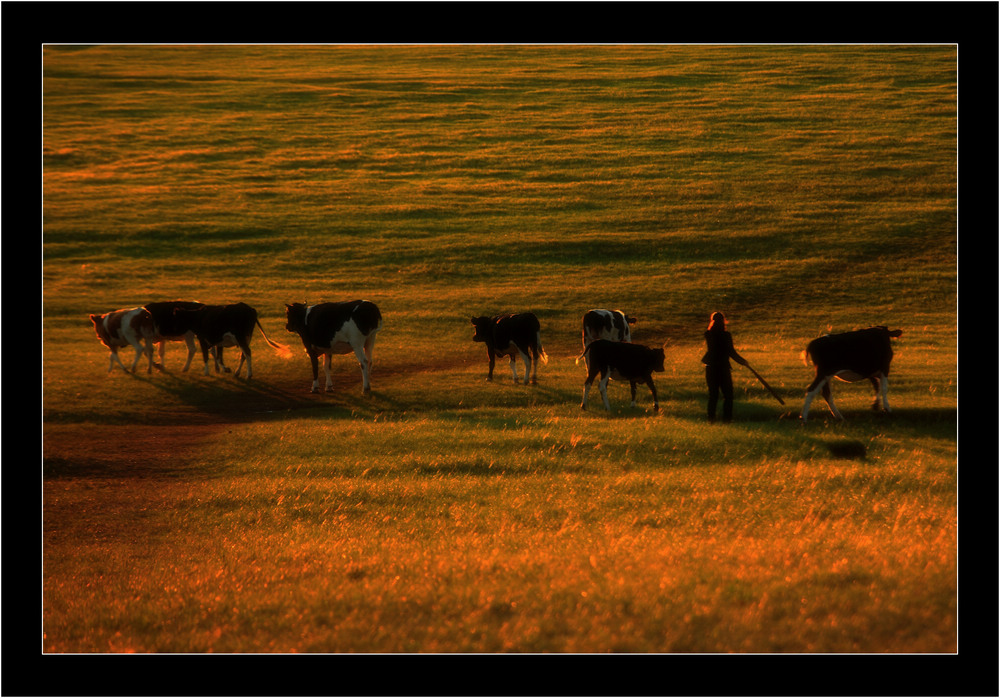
column 122, row 328
column 851, row 356
column 218, row 326
column 621, row 361
column 606, row 324
column 336, row 328
column 165, row 325
column 512, row 335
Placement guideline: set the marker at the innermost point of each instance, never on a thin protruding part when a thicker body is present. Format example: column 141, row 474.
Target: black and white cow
column 336, row 328
column 165, row 324
column 512, row 335
column 850, row 356
column 122, row 328
column 624, row 362
column 606, row 324
column 218, row 326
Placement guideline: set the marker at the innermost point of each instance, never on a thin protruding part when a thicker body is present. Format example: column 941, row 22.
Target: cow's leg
column 828, row 396
column 513, row 367
column 328, row 372
column 366, row 386
column 162, row 347
column 811, row 392
column 884, row 382
column 526, row 359
column 652, row 389
column 113, row 358
column 217, row 355
column 534, row 366
column 878, row 391
column 189, row 342
column 139, row 351
column 370, row 349
column 591, row 374
column 216, row 352
column 631, row 385
column 245, row 347
column 243, row 343
column 314, row 361
column 149, row 351
column 493, row 361
column 603, row 385
column 204, row 353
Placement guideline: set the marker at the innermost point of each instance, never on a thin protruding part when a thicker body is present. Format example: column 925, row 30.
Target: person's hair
column 717, row 323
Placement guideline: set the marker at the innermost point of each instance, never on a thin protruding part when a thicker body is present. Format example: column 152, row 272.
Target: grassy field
column 798, row 189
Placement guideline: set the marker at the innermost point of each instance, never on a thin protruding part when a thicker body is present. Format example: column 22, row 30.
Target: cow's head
column 481, row 332
column 98, row 321
column 891, row 333
column 658, row 357
column 295, row 315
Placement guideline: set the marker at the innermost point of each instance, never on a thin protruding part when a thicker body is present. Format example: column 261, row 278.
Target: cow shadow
column 228, row 397
column 223, row 394
column 940, row 422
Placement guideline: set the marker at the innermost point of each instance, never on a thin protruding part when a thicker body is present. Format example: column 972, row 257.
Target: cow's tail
column 806, row 355
column 582, row 355
column 541, row 352
column 284, row 351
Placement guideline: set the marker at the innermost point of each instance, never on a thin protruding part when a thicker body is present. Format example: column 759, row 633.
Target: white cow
column 613, row 325
column 336, row 328
column 123, row 328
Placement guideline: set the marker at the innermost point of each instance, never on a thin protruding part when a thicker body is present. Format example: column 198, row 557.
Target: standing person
column 718, row 372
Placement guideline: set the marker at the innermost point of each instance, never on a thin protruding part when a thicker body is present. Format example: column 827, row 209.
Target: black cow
column 336, row 328
column 606, row 324
column 166, row 328
column 223, row 326
column 851, row 356
column 512, row 335
column 624, row 362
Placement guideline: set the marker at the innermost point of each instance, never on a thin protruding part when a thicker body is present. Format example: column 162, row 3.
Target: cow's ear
column 896, row 333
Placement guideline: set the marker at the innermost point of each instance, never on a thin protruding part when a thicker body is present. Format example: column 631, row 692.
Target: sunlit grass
column 551, row 543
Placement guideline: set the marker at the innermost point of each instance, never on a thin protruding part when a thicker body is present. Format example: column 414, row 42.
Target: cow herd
column 341, row 328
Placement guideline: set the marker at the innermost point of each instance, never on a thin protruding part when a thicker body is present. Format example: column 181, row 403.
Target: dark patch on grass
column 847, row 448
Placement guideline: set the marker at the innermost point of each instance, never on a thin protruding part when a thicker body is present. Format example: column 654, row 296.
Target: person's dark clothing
column 718, row 372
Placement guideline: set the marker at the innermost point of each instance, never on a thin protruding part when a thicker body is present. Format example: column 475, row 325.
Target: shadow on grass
column 224, row 395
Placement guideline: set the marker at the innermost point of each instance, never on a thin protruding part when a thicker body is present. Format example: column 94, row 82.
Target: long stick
column 764, row 383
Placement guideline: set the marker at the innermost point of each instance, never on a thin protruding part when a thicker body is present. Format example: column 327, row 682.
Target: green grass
column 798, row 189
